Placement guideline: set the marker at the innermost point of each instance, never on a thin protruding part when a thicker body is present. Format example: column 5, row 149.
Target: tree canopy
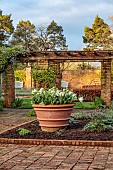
column 6, row 28
column 98, row 35
column 23, row 34
column 56, row 37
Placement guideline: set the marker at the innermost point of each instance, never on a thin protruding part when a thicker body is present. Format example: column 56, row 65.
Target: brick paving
column 45, row 157
column 30, row 157
column 12, row 117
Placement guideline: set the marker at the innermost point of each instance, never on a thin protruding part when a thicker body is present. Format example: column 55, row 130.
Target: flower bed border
column 52, row 142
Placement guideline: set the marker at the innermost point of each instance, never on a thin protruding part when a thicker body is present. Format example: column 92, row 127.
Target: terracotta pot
column 53, row 117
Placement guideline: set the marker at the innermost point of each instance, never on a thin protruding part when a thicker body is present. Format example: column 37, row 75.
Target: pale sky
column 72, row 15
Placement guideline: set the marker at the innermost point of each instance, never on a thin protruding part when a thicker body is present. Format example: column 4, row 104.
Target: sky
column 72, row 15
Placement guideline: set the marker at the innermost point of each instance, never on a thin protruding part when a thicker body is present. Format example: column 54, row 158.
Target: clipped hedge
column 88, row 94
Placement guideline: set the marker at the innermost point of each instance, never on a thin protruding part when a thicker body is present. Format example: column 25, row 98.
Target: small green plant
column 84, row 116
column 98, row 102
column 106, row 113
column 17, row 102
column 81, row 116
column 59, row 132
column 23, row 131
column 72, row 120
column 31, row 113
column 97, row 125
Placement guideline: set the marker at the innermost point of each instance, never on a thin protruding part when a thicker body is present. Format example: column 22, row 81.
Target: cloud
column 72, row 15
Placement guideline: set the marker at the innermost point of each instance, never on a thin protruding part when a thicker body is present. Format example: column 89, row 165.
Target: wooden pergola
column 105, row 57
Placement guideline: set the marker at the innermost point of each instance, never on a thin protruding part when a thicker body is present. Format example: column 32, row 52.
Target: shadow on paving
column 11, row 117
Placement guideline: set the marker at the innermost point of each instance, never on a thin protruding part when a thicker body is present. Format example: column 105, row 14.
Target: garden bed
column 73, row 132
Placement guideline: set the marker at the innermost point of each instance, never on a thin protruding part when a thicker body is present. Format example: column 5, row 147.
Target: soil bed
column 72, row 132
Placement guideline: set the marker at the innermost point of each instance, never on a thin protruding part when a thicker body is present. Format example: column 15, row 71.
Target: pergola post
column 8, row 86
column 106, row 81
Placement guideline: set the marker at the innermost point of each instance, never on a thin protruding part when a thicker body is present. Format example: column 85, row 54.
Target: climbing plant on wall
column 9, row 55
column 8, row 58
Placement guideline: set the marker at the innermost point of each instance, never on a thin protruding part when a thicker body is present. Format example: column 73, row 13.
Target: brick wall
column 8, row 86
column 79, row 78
column 106, row 81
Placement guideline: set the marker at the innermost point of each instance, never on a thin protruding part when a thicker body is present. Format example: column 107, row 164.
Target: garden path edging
column 52, row 142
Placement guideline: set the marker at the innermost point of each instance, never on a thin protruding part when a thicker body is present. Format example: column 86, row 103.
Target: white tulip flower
column 81, row 99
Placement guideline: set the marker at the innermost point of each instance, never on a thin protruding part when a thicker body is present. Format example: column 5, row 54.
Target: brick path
column 21, row 157
column 12, row 117
column 31, row 157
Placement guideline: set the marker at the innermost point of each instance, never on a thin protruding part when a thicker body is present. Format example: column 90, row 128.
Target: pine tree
column 6, row 28
column 23, row 34
column 98, row 35
column 56, row 37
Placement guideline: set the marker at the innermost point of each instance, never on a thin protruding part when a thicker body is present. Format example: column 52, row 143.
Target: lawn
column 84, row 105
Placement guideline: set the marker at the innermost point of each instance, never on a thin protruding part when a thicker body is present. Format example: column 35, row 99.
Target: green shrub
column 20, row 75
column 46, row 78
column 17, row 102
column 23, row 131
column 1, row 104
column 1, row 99
column 31, row 113
column 26, row 104
column 98, row 102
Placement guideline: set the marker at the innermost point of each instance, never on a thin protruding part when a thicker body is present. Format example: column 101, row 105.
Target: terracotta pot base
column 50, row 129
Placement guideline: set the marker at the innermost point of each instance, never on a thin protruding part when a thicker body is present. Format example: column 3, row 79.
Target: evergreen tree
column 56, row 37
column 23, row 34
column 6, row 28
column 98, row 35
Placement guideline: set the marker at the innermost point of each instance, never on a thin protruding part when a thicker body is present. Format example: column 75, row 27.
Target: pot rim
column 54, row 105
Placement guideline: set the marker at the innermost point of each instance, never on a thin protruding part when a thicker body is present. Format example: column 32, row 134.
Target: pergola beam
column 93, row 56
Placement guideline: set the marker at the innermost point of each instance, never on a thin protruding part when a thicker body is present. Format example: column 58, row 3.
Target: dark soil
column 71, row 132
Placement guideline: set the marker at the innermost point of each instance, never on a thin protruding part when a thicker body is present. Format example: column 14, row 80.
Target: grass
column 84, row 105
column 79, row 105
